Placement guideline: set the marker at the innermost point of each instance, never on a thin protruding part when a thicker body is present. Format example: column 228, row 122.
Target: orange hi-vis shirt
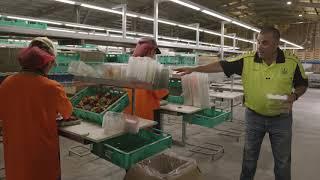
column 146, row 101
column 29, row 105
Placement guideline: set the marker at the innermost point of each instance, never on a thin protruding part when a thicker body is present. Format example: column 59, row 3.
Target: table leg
column 184, row 132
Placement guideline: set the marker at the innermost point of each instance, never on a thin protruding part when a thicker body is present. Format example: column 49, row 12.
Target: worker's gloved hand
column 183, row 71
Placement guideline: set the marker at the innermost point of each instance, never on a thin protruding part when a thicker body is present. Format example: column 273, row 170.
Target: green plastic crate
column 175, row 99
column 117, row 106
column 59, row 69
column 22, row 23
column 117, row 58
column 67, row 57
column 177, row 60
column 209, row 117
column 128, row 149
column 176, row 83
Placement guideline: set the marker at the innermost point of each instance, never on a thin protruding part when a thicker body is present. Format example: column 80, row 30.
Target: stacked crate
column 301, row 55
column 309, row 55
column 317, row 54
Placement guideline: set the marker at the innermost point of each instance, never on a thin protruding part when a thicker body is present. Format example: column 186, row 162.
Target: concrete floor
column 305, row 157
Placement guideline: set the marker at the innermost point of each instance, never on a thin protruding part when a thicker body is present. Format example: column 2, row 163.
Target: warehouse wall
column 8, row 59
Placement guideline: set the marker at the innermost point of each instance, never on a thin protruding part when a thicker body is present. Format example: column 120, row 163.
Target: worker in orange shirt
column 30, row 104
column 147, row 102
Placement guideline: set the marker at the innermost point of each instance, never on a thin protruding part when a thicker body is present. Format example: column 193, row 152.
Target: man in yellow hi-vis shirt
column 267, row 71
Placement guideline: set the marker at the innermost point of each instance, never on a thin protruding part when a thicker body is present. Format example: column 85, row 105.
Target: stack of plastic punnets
column 148, row 70
column 120, row 122
column 114, row 71
column 195, row 89
column 142, row 69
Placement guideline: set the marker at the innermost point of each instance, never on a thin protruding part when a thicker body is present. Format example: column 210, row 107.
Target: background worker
column 147, row 101
column 30, row 103
column 267, row 71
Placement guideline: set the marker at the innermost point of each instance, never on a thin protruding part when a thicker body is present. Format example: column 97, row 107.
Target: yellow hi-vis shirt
column 259, row 79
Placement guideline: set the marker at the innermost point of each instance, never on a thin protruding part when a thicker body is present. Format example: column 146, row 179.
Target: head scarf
column 145, row 46
column 35, row 58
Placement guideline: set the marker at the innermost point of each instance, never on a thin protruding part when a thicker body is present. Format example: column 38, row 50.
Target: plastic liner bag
column 187, row 90
column 79, row 68
column 114, row 122
column 276, row 104
column 166, row 166
column 195, row 88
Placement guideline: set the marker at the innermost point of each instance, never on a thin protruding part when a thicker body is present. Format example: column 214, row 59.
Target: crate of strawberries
column 93, row 102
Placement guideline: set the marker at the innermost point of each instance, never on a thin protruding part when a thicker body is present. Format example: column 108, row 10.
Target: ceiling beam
column 312, row 5
column 50, row 9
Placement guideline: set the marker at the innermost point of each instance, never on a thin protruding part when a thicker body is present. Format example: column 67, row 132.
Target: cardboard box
column 165, row 167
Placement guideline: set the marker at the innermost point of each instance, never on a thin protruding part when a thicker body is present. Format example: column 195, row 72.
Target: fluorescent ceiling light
column 100, row 8
column 81, row 32
column 112, row 35
column 300, row 15
column 240, row 24
column 186, row 4
column 245, row 40
column 84, row 26
column 66, row 1
column 188, row 41
column 146, row 18
column 100, row 34
column 289, row 2
column 187, row 27
column 34, row 20
column 61, row 30
column 167, row 22
column 115, row 31
column 131, row 15
column 211, row 32
column 169, row 38
column 285, row 41
column 131, row 33
column 255, row 29
column 143, row 34
column 216, row 15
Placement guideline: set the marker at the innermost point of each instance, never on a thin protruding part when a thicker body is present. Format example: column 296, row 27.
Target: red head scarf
column 34, row 58
column 145, row 46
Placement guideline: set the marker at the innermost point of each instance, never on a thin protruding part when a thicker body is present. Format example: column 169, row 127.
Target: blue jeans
column 280, row 134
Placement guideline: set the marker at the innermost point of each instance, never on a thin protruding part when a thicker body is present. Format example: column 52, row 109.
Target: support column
column 222, row 41
column 198, row 34
column 155, row 22
column 254, row 45
column 124, row 24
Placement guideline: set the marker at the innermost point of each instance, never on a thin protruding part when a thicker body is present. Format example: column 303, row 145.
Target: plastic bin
column 209, row 117
column 67, row 57
column 118, row 106
column 175, row 99
column 62, row 78
column 22, row 23
column 117, row 58
column 128, row 149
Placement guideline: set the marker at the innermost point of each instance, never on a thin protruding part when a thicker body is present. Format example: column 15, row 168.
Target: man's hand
column 184, row 71
column 290, row 101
